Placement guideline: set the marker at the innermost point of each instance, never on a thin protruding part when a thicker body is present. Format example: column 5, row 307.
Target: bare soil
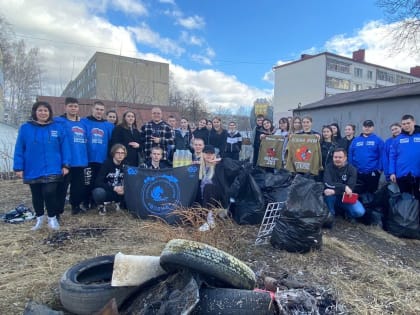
column 366, row 270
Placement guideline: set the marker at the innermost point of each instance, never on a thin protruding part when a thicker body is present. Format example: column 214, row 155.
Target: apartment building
column 315, row 77
column 122, row 79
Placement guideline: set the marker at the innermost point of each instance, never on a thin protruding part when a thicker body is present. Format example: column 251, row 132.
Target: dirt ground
column 365, row 269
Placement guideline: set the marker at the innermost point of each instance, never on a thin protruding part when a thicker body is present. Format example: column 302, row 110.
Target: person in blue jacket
column 77, row 137
column 42, row 157
column 395, row 132
column 99, row 133
column 404, row 157
column 366, row 154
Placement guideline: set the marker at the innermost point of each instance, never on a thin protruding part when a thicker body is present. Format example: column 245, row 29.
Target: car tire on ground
column 86, row 287
column 234, row 302
column 209, row 261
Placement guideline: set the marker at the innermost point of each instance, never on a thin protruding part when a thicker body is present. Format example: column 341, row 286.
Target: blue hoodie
column 366, row 153
column 99, row 134
column 77, row 137
column 404, row 157
column 387, row 151
column 41, row 150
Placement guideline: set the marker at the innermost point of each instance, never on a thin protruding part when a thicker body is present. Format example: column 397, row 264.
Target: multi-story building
column 122, row 79
column 315, row 77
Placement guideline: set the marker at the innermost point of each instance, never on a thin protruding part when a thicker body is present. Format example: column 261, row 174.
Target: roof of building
column 395, row 91
column 307, row 57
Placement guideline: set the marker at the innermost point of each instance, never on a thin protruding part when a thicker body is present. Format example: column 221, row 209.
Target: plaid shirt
column 161, row 130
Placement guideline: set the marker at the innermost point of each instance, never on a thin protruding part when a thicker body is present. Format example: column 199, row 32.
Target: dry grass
column 368, row 270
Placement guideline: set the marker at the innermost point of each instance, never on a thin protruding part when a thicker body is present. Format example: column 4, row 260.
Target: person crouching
column 109, row 185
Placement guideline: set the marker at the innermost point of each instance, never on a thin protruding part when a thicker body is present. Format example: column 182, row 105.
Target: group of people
column 86, row 156
column 354, row 164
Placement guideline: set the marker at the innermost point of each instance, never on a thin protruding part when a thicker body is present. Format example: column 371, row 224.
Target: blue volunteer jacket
column 404, row 157
column 77, row 137
column 99, row 134
column 385, row 159
column 366, row 153
column 41, row 150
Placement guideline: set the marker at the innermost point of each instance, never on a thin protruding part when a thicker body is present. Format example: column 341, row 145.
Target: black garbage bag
column 306, row 199
column 403, row 216
column 249, row 206
column 277, row 186
column 259, row 176
column 298, row 229
column 283, row 178
column 297, row 234
column 170, row 294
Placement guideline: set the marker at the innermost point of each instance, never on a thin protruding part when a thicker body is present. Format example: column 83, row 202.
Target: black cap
column 368, row 123
column 209, row 149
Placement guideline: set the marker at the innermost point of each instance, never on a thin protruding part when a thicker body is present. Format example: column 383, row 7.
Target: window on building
column 358, row 72
column 357, row 87
column 370, row 75
column 338, row 66
column 402, row 80
column 385, row 76
column 336, row 83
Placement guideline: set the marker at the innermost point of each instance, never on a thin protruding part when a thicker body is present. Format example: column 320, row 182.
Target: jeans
column 100, row 195
column 355, row 210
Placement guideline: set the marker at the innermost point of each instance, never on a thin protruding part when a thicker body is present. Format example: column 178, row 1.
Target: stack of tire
column 226, row 287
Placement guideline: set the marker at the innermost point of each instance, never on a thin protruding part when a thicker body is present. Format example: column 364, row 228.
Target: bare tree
column 405, row 16
column 22, row 75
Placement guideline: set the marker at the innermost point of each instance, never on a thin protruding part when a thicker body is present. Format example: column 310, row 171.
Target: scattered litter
column 18, row 215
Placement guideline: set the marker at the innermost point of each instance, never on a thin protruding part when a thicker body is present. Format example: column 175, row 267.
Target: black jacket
column 338, row 178
column 124, row 136
column 202, row 133
column 110, row 175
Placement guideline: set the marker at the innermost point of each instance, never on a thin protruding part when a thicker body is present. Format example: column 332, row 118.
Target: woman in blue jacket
column 42, row 157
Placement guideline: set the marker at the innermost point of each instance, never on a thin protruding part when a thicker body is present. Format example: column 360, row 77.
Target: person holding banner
column 155, row 162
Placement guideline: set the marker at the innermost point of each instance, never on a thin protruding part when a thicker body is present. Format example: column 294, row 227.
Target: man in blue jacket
column 404, row 160
column 99, row 132
column 366, row 153
column 77, row 137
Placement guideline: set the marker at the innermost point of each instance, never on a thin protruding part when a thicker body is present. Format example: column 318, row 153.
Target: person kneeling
column 339, row 178
column 109, row 184
column 213, row 186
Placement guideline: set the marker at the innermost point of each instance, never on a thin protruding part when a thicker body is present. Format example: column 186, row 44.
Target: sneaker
column 53, row 223
column 39, row 223
column 102, row 210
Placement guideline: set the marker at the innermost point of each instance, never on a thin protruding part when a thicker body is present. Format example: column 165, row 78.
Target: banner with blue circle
column 157, row 193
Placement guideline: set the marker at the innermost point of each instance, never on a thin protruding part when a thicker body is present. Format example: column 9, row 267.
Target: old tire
column 86, row 287
column 234, row 302
column 209, row 261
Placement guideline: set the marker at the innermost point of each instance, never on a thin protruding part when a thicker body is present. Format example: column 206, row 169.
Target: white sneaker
column 102, row 210
column 53, row 223
column 39, row 223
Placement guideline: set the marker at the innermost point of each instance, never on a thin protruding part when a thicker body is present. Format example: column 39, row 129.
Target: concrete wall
column 382, row 113
column 301, row 82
